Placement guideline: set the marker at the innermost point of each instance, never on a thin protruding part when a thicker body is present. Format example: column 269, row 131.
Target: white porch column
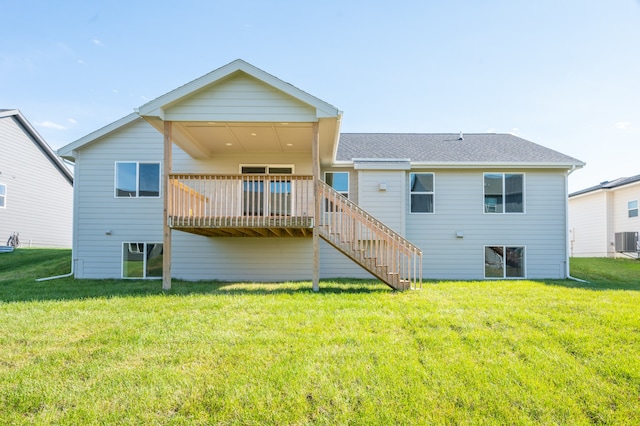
column 166, row 240
column 315, row 166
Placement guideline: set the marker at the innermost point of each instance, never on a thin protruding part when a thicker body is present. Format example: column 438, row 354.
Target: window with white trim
column 504, row 262
column 632, row 207
column 137, row 179
column 338, row 181
column 421, row 192
column 142, row 260
column 3, row 196
column 504, row 192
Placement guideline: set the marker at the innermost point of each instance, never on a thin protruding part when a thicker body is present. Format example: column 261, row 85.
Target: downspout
column 566, row 226
column 58, row 276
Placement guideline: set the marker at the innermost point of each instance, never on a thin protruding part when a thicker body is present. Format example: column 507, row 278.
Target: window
column 421, row 187
column 135, row 179
column 141, row 260
column 633, row 208
column 504, row 193
column 338, row 181
column 3, row 195
column 503, row 262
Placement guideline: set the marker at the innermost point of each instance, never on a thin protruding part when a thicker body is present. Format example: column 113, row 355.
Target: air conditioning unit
column 627, row 242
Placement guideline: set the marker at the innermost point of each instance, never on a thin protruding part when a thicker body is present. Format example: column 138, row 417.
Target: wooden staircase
column 364, row 239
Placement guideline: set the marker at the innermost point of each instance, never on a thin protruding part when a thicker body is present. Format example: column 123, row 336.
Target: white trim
column 504, row 197
column 144, row 261
column 348, row 181
column 137, row 163
column 504, row 267
column 67, row 151
column 433, row 193
column 155, row 107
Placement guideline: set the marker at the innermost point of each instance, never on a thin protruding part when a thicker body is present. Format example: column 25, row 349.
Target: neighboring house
column 240, row 176
column 603, row 219
column 36, row 188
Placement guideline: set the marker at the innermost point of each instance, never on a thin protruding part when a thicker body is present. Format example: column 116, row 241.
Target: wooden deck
column 285, row 206
column 244, row 226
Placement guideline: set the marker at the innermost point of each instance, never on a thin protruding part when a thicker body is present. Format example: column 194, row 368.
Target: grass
column 490, row 352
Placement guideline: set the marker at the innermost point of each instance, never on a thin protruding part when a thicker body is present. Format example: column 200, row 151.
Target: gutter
column 58, row 276
column 566, row 220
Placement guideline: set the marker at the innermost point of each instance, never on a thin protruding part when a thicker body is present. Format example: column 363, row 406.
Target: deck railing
column 378, row 248
column 238, row 200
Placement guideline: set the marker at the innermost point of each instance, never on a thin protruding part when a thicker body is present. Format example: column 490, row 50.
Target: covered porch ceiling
column 208, row 139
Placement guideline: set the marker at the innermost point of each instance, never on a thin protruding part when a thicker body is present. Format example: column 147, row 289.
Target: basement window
column 142, row 260
column 503, row 262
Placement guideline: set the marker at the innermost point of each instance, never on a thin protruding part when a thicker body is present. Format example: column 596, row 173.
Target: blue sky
column 561, row 73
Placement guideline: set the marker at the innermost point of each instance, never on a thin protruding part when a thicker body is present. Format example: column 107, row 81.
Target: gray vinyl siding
column 241, row 98
column 388, row 205
column 39, row 198
column 97, row 254
column 459, row 208
column 256, row 259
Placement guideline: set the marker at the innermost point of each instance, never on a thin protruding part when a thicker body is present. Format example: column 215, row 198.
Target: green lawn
column 491, row 352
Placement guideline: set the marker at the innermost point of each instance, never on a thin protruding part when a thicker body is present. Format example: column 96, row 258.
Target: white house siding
column 588, row 218
column 97, row 254
column 39, row 197
column 386, row 205
column 459, row 208
column 241, row 98
column 621, row 222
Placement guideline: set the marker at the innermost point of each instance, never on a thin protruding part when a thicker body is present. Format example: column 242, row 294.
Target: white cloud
column 81, row 62
column 72, row 121
column 515, row 131
column 52, row 125
column 96, row 42
column 623, row 125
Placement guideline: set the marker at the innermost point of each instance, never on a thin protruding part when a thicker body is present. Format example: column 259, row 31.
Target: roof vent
column 460, row 138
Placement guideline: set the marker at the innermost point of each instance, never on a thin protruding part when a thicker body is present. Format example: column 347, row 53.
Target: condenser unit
column 627, row 242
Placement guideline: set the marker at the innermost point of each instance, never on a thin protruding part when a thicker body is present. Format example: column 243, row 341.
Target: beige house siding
column 595, row 217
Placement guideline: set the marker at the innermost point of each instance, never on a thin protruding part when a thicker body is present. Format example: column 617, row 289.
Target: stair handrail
column 324, row 189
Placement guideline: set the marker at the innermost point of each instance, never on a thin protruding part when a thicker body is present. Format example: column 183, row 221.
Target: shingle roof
column 608, row 185
column 449, row 149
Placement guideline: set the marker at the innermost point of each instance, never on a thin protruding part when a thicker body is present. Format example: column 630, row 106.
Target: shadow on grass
column 79, row 289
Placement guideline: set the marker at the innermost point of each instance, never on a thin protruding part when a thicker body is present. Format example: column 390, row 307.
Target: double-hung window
column 503, row 262
column 504, row 192
column 422, row 189
column 3, row 196
column 137, row 179
column 632, row 206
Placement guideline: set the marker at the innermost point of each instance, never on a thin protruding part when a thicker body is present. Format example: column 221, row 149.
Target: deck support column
column 166, row 239
column 315, row 166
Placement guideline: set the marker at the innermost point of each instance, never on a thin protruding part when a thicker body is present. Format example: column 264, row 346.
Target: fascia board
column 41, row 142
column 323, row 109
column 67, row 150
column 511, row 165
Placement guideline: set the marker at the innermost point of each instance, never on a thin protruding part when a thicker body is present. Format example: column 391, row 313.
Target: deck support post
column 315, row 166
column 166, row 239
